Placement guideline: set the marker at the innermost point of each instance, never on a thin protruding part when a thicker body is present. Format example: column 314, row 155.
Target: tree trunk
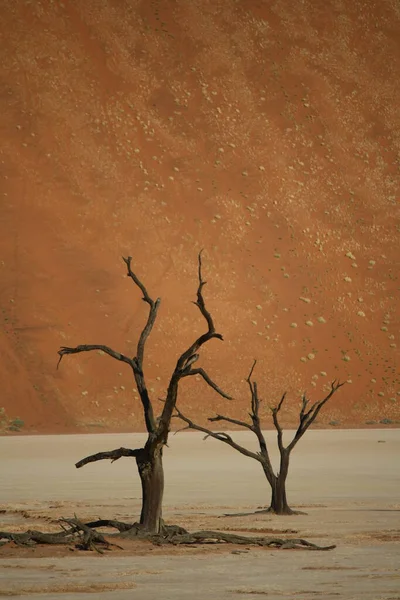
column 279, row 504
column 151, row 473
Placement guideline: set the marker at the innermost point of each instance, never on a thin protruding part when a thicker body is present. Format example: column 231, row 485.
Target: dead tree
column 149, row 458
column 307, row 416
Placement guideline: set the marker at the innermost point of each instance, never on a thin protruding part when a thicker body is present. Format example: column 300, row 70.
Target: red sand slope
column 267, row 133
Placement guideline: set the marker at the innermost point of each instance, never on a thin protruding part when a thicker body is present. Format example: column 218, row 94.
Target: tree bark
column 151, row 473
column 279, row 504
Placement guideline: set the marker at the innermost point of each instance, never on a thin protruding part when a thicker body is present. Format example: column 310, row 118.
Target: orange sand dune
column 267, row 133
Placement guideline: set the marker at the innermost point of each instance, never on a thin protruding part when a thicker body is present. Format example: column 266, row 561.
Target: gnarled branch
column 200, row 300
column 112, row 455
column 211, row 333
column 255, row 402
column 222, row 437
column 88, row 348
column 275, row 419
column 152, row 312
column 308, row 418
column 85, row 536
column 255, row 418
column 230, row 420
column 184, row 364
column 208, row 380
column 135, row 363
column 255, row 427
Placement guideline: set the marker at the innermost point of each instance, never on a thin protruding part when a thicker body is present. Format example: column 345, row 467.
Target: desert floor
column 347, row 481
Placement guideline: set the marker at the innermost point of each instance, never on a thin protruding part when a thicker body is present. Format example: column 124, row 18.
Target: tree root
column 31, row 538
column 74, row 533
column 264, row 511
column 271, row 511
column 171, row 536
column 84, row 536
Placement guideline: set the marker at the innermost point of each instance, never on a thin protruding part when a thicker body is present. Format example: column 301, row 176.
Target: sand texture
column 347, row 481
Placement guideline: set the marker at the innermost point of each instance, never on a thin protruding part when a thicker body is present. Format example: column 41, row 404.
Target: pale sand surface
column 348, row 482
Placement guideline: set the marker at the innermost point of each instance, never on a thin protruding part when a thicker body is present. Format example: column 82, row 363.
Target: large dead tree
column 149, row 458
column 308, row 414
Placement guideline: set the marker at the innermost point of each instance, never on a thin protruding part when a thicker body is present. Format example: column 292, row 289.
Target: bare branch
column 112, row 455
column 137, row 281
column 310, row 410
column 281, row 401
column 200, row 300
column 219, row 435
column 255, row 403
column 208, row 380
column 222, row 437
column 303, row 406
column 308, row 418
column 190, row 361
column 251, row 370
column 255, row 418
column 277, row 425
column 182, row 428
column 229, row 420
column 152, row 312
column 88, row 348
column 186, row 359
column 135, row 363
column 318, row 405
column 211, row 333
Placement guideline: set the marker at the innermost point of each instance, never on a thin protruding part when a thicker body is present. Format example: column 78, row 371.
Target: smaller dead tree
column 308, row 414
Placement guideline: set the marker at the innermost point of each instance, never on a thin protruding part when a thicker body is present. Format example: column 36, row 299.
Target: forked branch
column 222, row 437
column 254, row 426
column 187, row 359
column 135, row 363
column 275, row 419
column 152, row 312
column 307, row 418
column 200, row 299
column 211, row 333
column 208, row 380
column 255, row 418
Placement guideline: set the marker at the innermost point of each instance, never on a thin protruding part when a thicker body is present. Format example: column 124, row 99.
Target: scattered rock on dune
column 219, row 129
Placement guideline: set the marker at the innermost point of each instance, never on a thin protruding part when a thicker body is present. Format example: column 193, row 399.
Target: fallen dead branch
column 85, row 536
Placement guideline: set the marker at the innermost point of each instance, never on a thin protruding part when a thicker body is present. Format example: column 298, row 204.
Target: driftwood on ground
column 85, row 536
